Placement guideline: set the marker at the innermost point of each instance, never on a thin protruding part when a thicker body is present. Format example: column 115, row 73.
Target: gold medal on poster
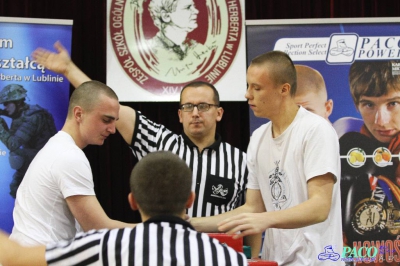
column 369, row 217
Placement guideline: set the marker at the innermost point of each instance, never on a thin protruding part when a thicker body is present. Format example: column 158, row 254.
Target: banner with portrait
column 155, row 47
column 359, row 60
column 33, row 100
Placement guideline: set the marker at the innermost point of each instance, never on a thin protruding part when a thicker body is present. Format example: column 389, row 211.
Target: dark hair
column 372, row 78
column 161, row 183
column 199, row 83
column 87, row 95
column 282, row 70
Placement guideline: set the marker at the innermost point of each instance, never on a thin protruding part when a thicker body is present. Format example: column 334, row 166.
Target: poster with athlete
column 155, row 47
column 33, row 100
column 359, row 63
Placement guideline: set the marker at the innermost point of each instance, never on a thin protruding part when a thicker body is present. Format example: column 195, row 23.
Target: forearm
column 255, row 242
column 74, row 75
column 111, row 224
column 90, row 215
column 104, row 222
column 11, row 253
column 30, row 256
column 210, row 224
column 310, row 212
column 245, row 224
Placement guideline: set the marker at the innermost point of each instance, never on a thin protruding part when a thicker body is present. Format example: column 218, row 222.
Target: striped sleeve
column 82, row 250
column 150, row 136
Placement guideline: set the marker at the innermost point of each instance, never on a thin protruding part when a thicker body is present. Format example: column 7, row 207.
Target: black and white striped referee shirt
column 162, row 240
column 219, row 171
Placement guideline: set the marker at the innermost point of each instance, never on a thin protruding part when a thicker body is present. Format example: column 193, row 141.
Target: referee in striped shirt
column 161, row 191
column 219, row 170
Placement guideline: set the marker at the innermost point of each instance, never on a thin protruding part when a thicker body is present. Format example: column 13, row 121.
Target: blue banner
column 33, row 100
column 359, row 60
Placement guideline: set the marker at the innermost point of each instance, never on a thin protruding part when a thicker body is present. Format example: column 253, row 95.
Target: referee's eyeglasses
column 201, row 107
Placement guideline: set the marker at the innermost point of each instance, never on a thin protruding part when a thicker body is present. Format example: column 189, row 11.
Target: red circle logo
column 161, row 42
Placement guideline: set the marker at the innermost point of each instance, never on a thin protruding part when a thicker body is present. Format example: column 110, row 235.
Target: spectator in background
column 311, row 91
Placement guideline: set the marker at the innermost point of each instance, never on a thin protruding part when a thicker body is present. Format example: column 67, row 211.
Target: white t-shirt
column 280, row 168
column 59, row 170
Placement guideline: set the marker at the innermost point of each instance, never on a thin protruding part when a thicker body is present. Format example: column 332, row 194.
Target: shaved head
column 311, row 91
column 280, row 67
column 87, row 96
column 310, row 80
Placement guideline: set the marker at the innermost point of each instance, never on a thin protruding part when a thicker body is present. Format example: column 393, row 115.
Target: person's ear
column 132, row 202
column 220, row 112
column 328, row 108
column 180, row 115
column 165, row 16
column 190, row 200
column 285, row 89
column 78, row 113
